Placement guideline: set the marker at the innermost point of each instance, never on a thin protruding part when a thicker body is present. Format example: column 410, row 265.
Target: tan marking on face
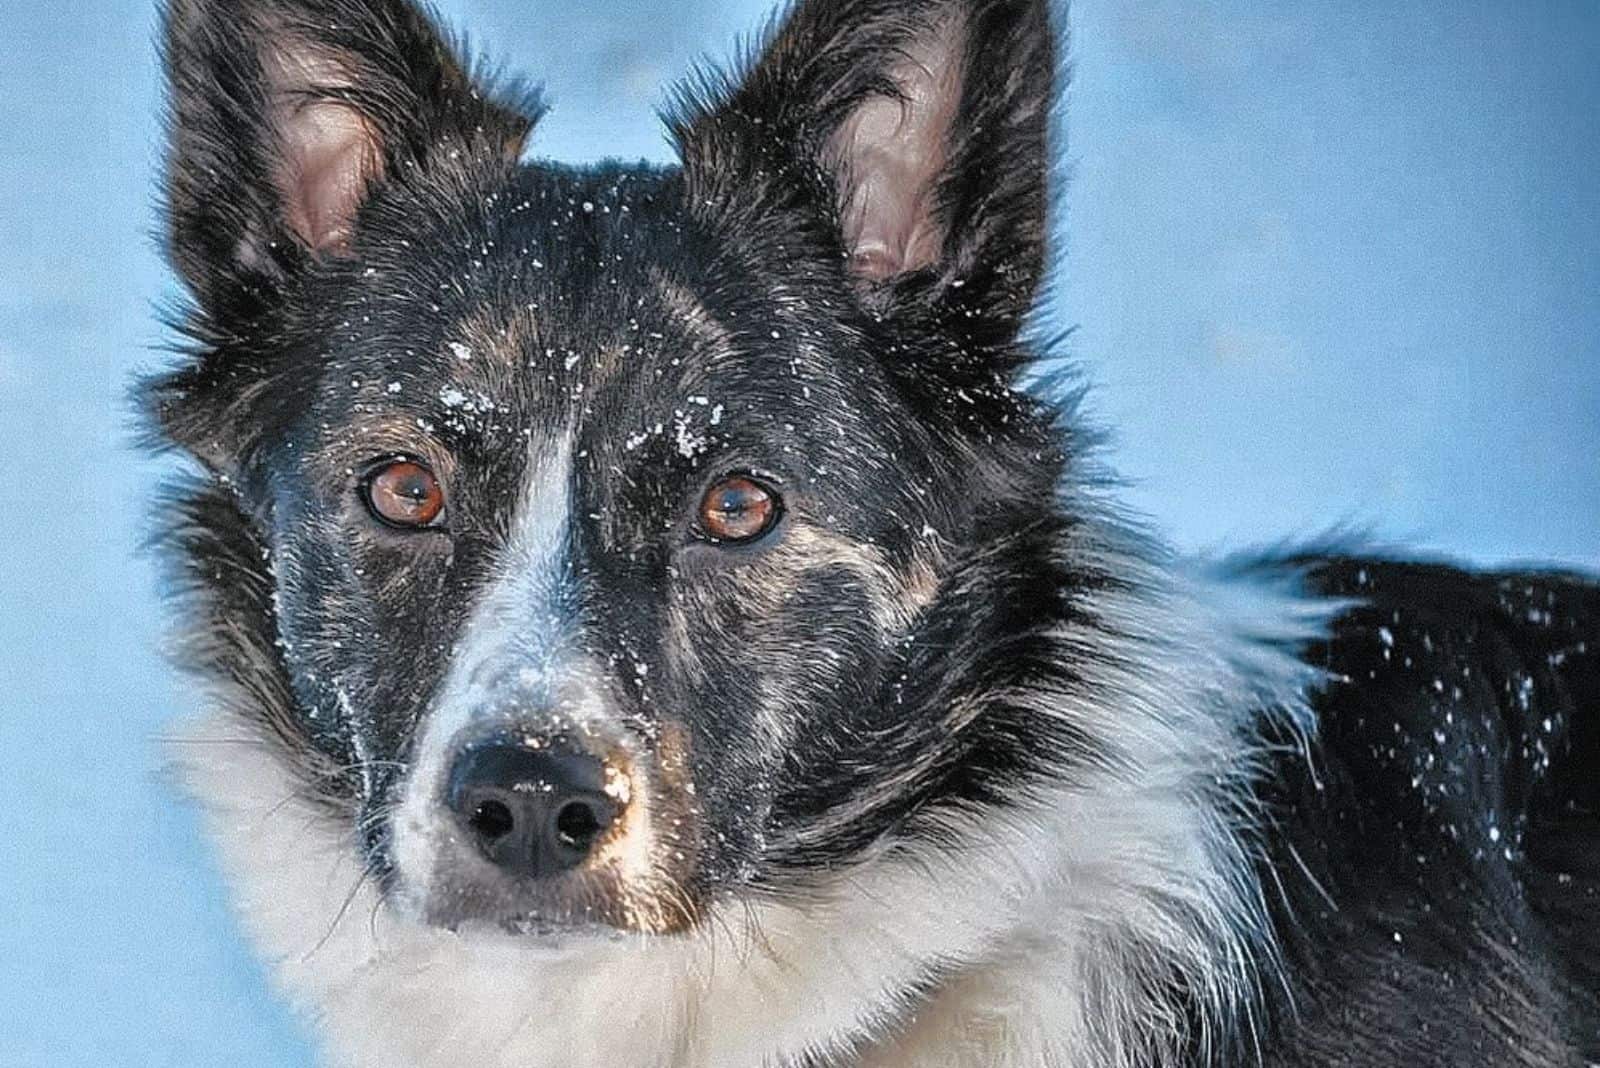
column 672, row 756
column 510, row 343
column 686, row 310
column 628, row 845
column 679, row 830
column 652, row 850
column 762, row 586
column 759, row 589
column 896, row 597
column 495, row 340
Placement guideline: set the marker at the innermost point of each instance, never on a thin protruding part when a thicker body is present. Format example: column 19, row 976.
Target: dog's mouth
column 594, row 904
column 539, row 926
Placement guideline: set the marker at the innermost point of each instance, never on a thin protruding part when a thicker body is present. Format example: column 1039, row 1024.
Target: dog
column 666, row 617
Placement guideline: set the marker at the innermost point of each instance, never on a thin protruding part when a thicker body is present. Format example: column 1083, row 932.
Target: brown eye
column 737, row 509
column 404, row 494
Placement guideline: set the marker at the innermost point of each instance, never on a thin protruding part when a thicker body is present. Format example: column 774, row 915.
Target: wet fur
column 985, row 776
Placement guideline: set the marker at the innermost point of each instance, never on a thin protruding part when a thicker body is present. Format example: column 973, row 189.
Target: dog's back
column 1433, row 858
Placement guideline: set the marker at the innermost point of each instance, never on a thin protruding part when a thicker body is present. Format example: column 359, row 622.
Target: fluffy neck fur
column 1118, row 924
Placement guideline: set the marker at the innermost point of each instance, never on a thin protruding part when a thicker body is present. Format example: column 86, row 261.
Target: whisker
column 350, row 898
column 178, row 739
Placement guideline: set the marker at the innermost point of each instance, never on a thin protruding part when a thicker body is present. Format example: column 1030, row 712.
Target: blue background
column 1331, row 264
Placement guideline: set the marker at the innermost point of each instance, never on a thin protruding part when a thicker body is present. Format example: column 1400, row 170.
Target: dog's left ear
column 917, row 131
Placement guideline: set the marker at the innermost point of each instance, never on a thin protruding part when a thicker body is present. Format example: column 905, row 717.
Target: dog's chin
column 536, row 933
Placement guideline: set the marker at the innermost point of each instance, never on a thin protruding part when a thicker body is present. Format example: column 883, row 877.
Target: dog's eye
column 738, row 509
column 403, row 493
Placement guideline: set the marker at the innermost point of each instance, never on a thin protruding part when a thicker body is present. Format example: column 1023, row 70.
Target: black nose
column 533, row 811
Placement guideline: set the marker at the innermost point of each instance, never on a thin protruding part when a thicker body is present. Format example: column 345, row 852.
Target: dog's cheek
column 815, row 655
column 345, row 603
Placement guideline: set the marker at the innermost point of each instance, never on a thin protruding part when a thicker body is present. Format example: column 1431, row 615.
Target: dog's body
column 651, row 626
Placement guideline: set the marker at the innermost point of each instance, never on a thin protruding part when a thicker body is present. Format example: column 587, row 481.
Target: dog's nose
column 534, row 811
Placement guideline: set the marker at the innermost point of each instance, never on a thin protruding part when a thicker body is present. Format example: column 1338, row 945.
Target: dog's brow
column 503, row 338
column 686, row 309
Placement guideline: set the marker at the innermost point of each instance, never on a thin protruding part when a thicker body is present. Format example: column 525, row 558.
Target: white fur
column 1053, row 933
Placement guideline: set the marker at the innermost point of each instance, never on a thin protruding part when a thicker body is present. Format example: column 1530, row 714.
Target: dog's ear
column 917, row 130
column 285, row 115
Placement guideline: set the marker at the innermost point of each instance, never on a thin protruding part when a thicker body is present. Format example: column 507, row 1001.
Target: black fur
column 1436, row 860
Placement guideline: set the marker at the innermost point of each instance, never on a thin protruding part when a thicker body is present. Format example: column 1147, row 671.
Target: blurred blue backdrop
column 1330, row 264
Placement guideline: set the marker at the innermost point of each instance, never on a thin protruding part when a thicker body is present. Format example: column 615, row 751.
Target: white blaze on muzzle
column 517, row 676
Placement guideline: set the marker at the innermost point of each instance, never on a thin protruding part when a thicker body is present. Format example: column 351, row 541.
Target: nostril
column 492, row 819
column 578, row 825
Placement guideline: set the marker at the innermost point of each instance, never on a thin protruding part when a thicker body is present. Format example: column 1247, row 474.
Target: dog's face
column 634, row 536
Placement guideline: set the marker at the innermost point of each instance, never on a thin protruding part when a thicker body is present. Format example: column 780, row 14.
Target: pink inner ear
column 889, row 155
column 330, row 160
column 329, row 152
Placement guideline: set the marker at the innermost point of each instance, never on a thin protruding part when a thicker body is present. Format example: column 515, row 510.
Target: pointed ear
column 286, row 115
column 917, row 130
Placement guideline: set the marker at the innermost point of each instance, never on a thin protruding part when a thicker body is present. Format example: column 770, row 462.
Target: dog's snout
column 534, row 810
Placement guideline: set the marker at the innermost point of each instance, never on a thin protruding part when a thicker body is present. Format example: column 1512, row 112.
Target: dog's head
column 602, row 541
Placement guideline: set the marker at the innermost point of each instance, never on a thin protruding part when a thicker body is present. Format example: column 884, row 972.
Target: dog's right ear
column 286, row 115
